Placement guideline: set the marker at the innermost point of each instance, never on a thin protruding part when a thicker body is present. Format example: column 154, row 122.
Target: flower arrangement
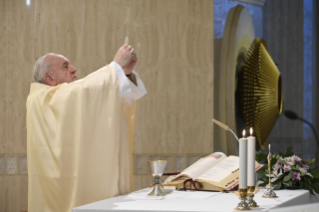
column 288, row 171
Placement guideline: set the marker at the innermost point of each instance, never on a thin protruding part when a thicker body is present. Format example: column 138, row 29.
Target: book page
column 202, row 165
column 221, row 170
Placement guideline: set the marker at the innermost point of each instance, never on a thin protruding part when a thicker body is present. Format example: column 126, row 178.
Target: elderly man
column 80, row 132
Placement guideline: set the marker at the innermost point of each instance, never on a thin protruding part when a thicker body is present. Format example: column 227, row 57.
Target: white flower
column 309, row 174
column 275, row 175
column 302, row 170
column 281, row 160
column 290, row 161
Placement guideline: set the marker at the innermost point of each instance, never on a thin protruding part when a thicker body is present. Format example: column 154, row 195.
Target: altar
column 193, row 201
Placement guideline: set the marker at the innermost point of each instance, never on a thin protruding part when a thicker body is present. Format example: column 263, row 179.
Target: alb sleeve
column 124, row 83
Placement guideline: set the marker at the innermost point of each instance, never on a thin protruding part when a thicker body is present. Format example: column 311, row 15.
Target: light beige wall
column 174, row 42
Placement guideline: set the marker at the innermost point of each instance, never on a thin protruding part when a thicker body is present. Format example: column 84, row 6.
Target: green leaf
column 315, row 175
column 277, row 186
column 287, row 178
column 261, row 183
column 289, row 184
column 261, row 172
column 290, row 174
column 261, row 157
column 308, row 162
column 288, row 152
column 273, row 161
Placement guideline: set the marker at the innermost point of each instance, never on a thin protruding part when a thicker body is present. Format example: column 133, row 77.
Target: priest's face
column 61, row 70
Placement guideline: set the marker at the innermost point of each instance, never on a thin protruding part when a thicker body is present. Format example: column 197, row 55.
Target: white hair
column 42, row 67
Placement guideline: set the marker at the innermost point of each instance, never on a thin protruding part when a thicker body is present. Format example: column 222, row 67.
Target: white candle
column 243, row 162
column 251, row 159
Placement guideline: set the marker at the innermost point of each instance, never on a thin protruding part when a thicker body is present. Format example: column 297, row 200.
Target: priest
column 80, row 132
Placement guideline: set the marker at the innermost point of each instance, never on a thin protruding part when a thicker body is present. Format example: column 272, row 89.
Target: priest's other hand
column 126, row 58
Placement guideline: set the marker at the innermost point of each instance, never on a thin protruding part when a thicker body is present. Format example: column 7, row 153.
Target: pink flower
column 296, row 176
column 305, row 166
column 277, row 166
column 296, row 158
column 287, row 168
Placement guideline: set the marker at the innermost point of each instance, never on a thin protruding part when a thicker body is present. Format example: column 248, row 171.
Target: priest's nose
column 73, row 70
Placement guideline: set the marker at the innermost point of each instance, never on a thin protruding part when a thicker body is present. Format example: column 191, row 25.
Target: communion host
column 80, row 132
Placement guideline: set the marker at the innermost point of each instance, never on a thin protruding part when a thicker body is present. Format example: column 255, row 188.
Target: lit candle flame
column 244, row 133
column 251, row 131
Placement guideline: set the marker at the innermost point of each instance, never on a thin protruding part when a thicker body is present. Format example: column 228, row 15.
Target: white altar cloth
column 191, row 201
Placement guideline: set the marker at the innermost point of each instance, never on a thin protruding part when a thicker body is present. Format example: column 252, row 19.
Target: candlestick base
column 242, row 205
column 270, row 192
column 251, row 202
column 250, row 198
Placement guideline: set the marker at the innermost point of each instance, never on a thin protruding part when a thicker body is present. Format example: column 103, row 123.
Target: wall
column 284, row 31
column 174, row 42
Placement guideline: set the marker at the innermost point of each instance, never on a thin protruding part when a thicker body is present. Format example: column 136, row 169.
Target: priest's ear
column 49, row 80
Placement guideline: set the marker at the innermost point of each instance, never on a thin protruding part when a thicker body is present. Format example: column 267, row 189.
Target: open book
column 215, row 172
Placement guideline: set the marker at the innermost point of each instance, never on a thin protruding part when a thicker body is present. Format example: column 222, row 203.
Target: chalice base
column 156, row 191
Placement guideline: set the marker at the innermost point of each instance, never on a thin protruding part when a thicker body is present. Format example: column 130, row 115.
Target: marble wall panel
column 192, row 159
column 3, row 76
column 13, row 193
column 155, row 157
column 20, row 61
column 170, row 163
column 141, row 166
column 2, row 165
column 11, row 164
column 180, row 163
column 142, row 181
column 23, row 165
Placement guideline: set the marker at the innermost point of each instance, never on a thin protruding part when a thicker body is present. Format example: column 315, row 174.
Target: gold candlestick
column 269, row 164
column 270, row 187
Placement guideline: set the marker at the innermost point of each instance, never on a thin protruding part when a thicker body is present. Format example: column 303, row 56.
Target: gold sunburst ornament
column 259, row 92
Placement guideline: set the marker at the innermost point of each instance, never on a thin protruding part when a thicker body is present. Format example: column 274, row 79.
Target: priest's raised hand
column 126, row 57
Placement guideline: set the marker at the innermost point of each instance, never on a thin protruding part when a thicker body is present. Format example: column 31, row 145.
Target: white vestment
column 80, row 140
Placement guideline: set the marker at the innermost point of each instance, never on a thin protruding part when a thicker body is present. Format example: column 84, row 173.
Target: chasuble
column 80, row 139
